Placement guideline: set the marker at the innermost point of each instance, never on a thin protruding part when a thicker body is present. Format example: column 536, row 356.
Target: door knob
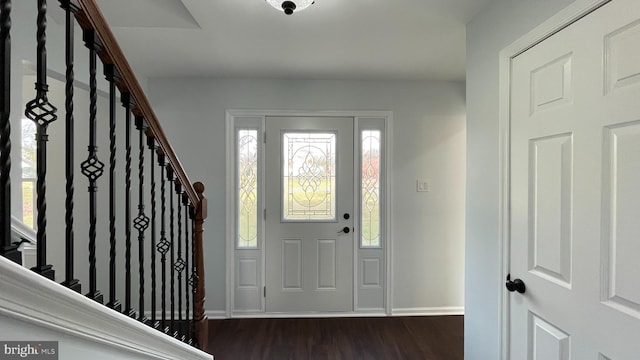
column 345, row 230
column 515, row 285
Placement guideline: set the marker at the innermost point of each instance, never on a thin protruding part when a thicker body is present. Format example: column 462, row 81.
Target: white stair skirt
column 28, row 298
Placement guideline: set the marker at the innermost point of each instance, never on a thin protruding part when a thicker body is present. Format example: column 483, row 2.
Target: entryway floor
column 432, row 338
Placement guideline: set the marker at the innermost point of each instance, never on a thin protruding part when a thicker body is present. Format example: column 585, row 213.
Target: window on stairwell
column 28, row 172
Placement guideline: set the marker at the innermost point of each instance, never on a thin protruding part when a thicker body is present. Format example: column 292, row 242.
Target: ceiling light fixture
column 289, row 6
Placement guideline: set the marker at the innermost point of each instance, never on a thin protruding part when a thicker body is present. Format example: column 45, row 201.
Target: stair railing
column 176, row 235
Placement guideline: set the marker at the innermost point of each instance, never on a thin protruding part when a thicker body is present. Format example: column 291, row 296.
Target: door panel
column 551, row 170
column 309, row 258
column 621, row 226
column 575, row 176
column 547, row 341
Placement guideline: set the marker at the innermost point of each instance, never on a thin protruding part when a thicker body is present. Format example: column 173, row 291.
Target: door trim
column 572, row 13
column 231, row 114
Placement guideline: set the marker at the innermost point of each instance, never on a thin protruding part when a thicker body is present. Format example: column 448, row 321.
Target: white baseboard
column 428, row 311
column 423, row 311
column 29, row 297
column 211, row 314
column 306, row 315
column 216, row 314
column 167, row 315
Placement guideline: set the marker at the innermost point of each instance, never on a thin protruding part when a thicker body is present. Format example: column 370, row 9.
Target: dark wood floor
column 436, row 338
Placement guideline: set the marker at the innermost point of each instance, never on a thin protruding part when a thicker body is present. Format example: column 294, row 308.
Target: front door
column 575, row 191
column 309, row 181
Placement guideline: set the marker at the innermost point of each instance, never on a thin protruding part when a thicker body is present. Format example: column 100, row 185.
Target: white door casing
column 574, row 194
column 309, row 263
column 245, row 271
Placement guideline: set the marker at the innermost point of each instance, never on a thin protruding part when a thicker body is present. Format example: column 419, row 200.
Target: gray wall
column 429, row 142
column 487, row 34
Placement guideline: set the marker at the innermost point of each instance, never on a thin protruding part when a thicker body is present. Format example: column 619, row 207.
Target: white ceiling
column 332, row 39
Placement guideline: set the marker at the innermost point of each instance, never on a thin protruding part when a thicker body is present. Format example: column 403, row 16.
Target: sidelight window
column 247, row 188
column 28, row 172
column 370, row 188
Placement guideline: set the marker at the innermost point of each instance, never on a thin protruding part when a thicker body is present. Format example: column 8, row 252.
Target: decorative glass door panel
column 309, row 179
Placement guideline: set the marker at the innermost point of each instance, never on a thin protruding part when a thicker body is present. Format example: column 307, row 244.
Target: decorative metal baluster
column 42, row 113
column 92, row 168
column 179, row 264
column 151, row 143
column 70, row 281
column 172, row 257
column 164, row 245
column 112, row 77
column 7, row 249
column 185, row 202
column 127, row 103
column 141, row 222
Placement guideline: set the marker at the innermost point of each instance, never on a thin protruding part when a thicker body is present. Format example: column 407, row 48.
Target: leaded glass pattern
column 309, row 179
column 247, row 190
column 370, row 189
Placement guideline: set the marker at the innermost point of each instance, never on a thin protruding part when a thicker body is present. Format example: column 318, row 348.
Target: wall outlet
column 422, row 185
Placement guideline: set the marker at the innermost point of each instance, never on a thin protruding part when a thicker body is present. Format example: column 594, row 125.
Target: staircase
column 115, row 268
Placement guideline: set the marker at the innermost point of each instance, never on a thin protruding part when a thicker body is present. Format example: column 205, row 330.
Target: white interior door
column 575, row 191
column 309, row 214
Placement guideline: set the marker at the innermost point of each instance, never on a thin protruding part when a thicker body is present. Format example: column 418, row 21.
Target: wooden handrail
column 90, row 17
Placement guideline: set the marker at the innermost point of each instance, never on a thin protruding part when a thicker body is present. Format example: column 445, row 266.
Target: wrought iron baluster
column 92, row 168
column 164, row 245
column 70, row 281
column 141, row 222
column 151, row 143
column 112, row 77
column 185, row 202
column 7, row 249
column 42, row 113
column 179, row 264
column 127, row 103
column 172, row 255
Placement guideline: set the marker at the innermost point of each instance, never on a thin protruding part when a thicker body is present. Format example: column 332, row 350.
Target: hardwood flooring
column 433, row 338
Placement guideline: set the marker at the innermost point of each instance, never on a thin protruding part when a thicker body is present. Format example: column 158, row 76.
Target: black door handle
column 345, row 230
column 515, row 285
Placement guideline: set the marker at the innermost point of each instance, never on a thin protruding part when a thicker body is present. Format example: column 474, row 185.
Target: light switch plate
column 422, row 185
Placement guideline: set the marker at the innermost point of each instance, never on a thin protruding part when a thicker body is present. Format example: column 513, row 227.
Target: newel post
column 201, row 320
